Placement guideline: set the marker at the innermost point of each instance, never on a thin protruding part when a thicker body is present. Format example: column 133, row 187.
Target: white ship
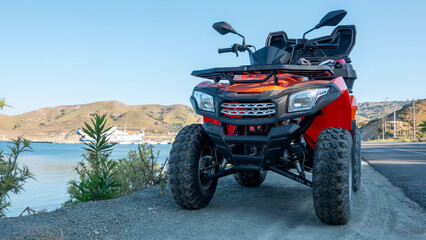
column 115, row 136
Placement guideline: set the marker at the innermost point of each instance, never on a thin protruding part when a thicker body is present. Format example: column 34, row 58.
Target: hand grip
column 224, row 50
column 328, row 46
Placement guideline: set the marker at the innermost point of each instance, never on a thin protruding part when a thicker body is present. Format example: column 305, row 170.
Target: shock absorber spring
column 296, row 156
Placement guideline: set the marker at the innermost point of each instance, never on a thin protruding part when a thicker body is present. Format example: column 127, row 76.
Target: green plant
column 12, row 177
column 2, row 103
column 98, row 185
column 423, row 126
column 140, row 170
column 162, row 186
column 102, row 178
column 97, row 180
column 99, row 146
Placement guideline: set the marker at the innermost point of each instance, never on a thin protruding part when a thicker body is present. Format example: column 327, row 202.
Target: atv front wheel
column 332, row 176
column 191, row 161
column 356, row 159
column 250, row 178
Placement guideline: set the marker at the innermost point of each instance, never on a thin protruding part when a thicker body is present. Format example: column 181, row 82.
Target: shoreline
column 56, row 142
column 153, row 142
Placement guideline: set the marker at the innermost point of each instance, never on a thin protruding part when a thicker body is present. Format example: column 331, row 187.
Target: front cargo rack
column 228, row 73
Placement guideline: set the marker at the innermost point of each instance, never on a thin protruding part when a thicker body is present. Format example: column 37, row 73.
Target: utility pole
column 383, row 130
column 394, row 122
column 386, row 113
column 414, row 122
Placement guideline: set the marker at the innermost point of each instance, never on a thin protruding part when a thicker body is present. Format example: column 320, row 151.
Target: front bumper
column 270, row 147
column 278, row 98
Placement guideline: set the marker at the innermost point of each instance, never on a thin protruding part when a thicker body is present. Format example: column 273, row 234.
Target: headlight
column 205, row 101
column 305, row 100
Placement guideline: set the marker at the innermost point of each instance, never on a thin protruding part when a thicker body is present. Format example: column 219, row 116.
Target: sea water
column 53, row 167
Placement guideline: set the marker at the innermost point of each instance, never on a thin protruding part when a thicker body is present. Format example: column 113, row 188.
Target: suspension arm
column 223, row 173
column 292, row 176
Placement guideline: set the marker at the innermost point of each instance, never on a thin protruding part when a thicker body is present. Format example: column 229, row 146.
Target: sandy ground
column 278, row 209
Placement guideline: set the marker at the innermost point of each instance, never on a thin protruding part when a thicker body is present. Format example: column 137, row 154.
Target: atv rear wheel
column 356, row 159
column 332, row 176
column 250, row 178
column 192, row 159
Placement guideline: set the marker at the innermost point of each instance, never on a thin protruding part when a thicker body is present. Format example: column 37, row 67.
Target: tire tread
column 331, row 176
column 250, row 178
column 183, row 168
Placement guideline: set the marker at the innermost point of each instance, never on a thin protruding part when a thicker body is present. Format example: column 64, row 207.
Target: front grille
column 248, row 109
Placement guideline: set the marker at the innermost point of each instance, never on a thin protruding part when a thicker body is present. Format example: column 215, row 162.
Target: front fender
column 338, row 113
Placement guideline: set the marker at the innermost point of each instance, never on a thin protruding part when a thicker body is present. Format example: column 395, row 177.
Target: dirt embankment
column 278, row 209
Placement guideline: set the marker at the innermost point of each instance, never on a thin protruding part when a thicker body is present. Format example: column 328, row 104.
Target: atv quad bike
column 291, row 111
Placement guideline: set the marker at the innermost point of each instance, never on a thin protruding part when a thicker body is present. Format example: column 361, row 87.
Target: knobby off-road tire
column 250, row 178
column 356, row 159
column 189, row 189
column 332, row 176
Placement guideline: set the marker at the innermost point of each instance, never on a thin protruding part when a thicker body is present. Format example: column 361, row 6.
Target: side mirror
column 332, row 18
column 224, row 28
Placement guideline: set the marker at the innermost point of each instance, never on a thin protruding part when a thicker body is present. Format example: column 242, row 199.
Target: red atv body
column 291, row 111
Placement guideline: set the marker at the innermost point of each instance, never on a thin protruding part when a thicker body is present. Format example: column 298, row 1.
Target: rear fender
column 338, row 113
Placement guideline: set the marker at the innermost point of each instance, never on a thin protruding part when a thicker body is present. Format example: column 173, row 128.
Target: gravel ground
column 279, row 209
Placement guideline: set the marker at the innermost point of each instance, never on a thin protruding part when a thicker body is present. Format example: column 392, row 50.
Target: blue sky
column 73, row 52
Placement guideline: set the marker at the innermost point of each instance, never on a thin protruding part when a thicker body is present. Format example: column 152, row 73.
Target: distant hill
column 59, row 124
column 373, row 129
column 371, row 110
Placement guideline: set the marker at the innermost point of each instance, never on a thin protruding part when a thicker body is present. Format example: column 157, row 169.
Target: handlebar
column 325, row 45
column 328, row 46
column 224, row 50
column 236, row 48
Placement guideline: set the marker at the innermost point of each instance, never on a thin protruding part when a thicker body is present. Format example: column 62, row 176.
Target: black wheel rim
column 206, row 167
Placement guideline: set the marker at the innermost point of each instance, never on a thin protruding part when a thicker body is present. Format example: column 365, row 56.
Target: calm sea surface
column 53, row 166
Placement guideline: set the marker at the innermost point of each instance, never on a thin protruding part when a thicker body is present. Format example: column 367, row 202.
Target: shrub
column 12, row 177
column 98, row 185
column 102, row 178
column 140, row 170
column 97, row 180
column 3, row 103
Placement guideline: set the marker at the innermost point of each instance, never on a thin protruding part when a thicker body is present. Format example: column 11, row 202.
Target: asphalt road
column 404, row 164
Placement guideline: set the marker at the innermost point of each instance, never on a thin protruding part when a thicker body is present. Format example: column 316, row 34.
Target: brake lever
column 235, row 48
